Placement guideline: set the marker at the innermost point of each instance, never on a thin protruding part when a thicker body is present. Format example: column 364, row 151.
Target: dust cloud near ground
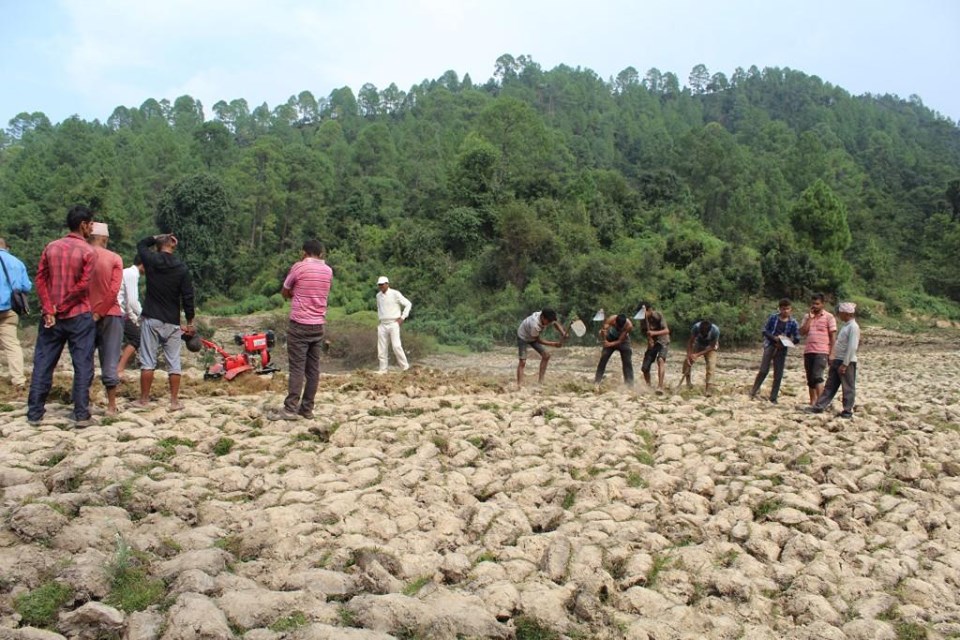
column 444, row 503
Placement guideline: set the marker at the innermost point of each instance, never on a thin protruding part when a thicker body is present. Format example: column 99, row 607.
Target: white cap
column 848, row 307
column 100, row 229
column 383, row 280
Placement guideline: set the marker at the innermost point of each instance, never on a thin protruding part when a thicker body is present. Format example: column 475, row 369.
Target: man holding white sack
column 780, row 332
column 392, row 310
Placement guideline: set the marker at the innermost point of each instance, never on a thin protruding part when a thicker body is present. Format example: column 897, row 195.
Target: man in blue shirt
column 15, row 279
column 779, row 326
column 704, row 342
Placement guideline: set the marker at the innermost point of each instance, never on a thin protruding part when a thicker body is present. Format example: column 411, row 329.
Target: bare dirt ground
column 444, row 503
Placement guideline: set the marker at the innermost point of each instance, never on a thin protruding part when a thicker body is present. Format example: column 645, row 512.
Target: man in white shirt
column 392, row 310
column 843, row 366
column 129, row 301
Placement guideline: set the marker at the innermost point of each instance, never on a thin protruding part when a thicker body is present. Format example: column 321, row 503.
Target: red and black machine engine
column 254, row 357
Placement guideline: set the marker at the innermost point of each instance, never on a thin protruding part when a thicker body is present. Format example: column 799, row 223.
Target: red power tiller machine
column 255, row 356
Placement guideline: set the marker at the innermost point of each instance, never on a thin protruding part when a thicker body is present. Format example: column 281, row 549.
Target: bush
column 250, row 304
column 355, row 344
column 131, row 586
column 868, row 308
column 39, row 607
column 459, row 329
column 739, row 324
column 223, row 446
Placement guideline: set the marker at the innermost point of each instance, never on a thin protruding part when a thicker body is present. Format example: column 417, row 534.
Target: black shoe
column 846, row 415
column 812, row 409
column 773, row 401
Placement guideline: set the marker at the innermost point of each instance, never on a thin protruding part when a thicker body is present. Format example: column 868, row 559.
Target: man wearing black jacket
column 168, row 289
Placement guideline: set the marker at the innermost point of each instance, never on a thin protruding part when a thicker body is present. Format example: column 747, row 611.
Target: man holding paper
column 780, row 333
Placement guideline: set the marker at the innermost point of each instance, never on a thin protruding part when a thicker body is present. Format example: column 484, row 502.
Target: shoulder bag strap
column 9, row 281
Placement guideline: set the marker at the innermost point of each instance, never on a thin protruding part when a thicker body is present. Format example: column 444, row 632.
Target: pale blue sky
column 86, row 57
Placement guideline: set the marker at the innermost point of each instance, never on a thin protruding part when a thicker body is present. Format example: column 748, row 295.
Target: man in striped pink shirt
column 819, row 327
column 307, row 287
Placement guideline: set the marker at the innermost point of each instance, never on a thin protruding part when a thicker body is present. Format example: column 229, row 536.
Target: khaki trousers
column 710, row 359
column 10, row 347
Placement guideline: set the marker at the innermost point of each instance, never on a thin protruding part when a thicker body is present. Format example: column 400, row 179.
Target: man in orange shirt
column 104, row 286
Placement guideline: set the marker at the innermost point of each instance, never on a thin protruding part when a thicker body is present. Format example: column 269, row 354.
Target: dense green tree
column 699, row 79
column 368, row 99
column 525, row 243
column 343, row 103
column 537, row 186
column 953, row 198
column 25, row 123
column 374, row 152
column 627, row 78
column 787, row 270
column 197, row 209
column 187, row 113
column 475, row 176
column 820, row 222
column 214, row 143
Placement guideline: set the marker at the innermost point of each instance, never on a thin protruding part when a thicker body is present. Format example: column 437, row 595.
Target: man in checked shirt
column 63, row 286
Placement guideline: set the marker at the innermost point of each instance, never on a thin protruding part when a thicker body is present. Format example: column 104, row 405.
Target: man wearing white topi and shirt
column 392, row 310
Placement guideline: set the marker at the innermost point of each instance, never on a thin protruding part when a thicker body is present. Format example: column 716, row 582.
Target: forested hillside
column 482, row 202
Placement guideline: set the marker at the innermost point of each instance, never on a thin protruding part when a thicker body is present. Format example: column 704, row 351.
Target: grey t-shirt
column 530, row 328
column 848, row 341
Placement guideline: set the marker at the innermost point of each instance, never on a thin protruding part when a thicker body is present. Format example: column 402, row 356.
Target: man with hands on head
column 169, row 288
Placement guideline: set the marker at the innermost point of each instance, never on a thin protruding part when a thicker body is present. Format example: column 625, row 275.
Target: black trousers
column 626, row 359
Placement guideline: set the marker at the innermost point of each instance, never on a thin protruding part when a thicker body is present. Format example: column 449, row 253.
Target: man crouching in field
column 528, row 337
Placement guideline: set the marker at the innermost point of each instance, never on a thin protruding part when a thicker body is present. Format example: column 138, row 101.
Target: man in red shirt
column 104, row 287
column 307, row 287
column 63, row 286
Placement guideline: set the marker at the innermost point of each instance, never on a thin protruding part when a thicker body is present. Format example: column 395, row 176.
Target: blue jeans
column 79, row 334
